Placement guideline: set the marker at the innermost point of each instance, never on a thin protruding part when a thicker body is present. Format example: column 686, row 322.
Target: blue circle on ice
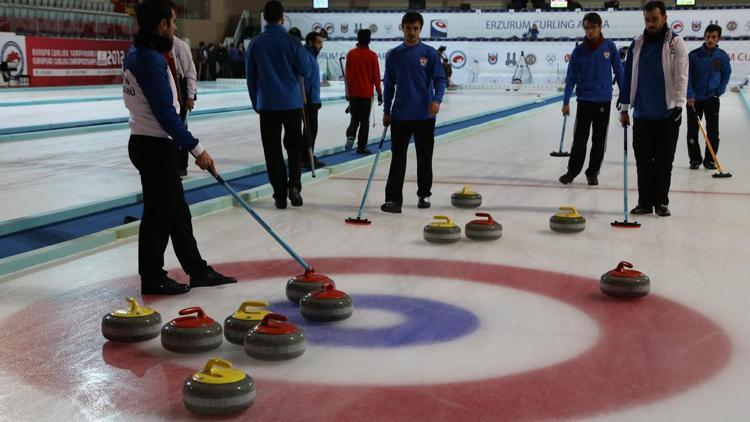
column 425, row 322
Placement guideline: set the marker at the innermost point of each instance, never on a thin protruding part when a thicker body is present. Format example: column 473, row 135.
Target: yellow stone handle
column 466, row 189
column 445, row 218
column 212, row 364
column 572, row 211
column 135, row 307
column 252, row 304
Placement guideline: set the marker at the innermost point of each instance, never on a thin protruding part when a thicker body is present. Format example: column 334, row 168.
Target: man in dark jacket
column 590, row 72
column 709, row 75
column 156, row 136
column 274, row 62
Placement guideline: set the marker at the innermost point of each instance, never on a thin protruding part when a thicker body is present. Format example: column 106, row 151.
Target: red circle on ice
column 647, row 350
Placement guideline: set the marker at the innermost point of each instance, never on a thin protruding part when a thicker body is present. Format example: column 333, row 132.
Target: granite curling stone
column 191, row 333
column 567, row 221
column 218, row 389
column 302, row 284
column 444, row 231
column 327, row 304
column 466, row 198
column 249, row 314
column 275, row 339
column 487, row 229
column 131, row 325
column 624, row 283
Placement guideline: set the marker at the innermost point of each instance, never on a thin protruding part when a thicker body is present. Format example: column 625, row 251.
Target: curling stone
column 191, row 334
column 218, row 389
column 275, row 339
column 442, row 231
column 131, row 325
column 567, row 221
column 466, row 198
column 624, row 283
column 327, row 304
column 487, row 229
column 303, row 284
column 248, row 315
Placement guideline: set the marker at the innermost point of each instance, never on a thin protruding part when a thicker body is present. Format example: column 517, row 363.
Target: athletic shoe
column 695, row 165
column 295, row 198
column 424, row 202
column 592, row 181
column 641, row 210
column 210, row 278
column 709, row 165
column 391, row 207
column 566, row 179
column 349, row 144
column 363, row 151
column 280, row 203
column 163, row 286
column 662, row 211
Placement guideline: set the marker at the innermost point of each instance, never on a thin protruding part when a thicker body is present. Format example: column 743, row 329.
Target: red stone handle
column 327, row 286
column 485, row 215
column 193, row 310
column 622, row 265
column 272, row 320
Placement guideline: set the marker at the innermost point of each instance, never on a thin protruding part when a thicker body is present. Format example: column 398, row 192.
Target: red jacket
column 362, row 72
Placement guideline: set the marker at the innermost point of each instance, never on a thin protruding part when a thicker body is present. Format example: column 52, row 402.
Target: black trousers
column 165, row 213
column 312, row 121
column 589, row 115
column 424, row 142
column 654, row 145
column 359, row 109
column 709, row 108
column 271, row 124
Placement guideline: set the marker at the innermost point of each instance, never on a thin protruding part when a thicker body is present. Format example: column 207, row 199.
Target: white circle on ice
column 518, row 332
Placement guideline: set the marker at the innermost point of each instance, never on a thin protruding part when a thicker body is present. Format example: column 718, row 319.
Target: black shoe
column 391, row 207
column 592, row 181
column 163, row 286
column 349, row 144
column 641, row 210
column 363, row 151
column 709, row 165
column 295, row 198
column 424, row 202
column 662, row 211
column 210, row 278
column 280, row 203
column 566, row 179
column 695, row 165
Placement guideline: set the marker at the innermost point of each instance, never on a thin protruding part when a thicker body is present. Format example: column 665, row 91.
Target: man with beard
column 156, row 136
column 655, row 86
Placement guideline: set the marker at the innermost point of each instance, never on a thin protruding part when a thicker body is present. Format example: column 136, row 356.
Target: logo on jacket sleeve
column 457, row 59
column 423, row 61
column 492, row 58
column 438, row 28
column 607, row 55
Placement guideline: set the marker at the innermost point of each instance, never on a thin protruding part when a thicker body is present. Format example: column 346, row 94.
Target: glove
column 675, row 114
column 380, row 99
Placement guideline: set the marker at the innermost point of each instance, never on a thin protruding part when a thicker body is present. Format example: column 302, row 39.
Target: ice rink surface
column 513, row 329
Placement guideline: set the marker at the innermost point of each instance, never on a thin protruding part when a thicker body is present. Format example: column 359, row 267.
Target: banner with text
column 616, row 23
column 65, row 61
column 492, row 62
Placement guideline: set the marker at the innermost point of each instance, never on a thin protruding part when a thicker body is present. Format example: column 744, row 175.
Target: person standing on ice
column 590, row 73
column 187, row 83
column 655, row 86
column 157, row 134
column 709, row 76
column 414, row 84
column 362, row 81
column 274, row 62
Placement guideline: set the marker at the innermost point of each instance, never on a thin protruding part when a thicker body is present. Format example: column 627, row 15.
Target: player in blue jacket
column 157, row 134
column 414, row 84
column 313, row 45
column 590, row 72
column 708, row 78
column 274, row 63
